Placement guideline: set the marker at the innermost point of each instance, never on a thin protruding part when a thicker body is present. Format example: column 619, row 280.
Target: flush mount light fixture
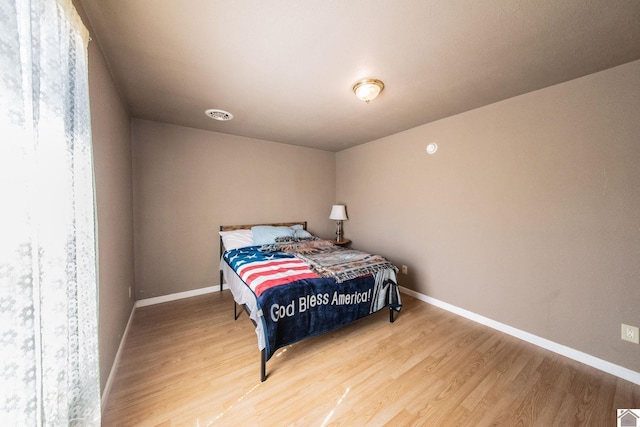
column 368, row 89
column 221, row 115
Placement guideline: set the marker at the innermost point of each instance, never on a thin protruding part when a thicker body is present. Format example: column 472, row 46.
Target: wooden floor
column 188, row 363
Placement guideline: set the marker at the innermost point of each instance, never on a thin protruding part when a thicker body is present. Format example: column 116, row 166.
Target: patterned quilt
column 329, row 260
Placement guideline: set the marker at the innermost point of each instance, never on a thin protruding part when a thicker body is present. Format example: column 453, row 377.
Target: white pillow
column 236, row 239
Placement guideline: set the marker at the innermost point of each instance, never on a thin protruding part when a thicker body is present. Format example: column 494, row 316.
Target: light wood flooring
column 188, row 363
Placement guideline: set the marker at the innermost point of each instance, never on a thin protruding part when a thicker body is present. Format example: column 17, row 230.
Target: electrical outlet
column 630, row 333
column 405, row 269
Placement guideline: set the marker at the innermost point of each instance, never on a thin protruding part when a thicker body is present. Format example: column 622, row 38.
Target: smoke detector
column 221, row 115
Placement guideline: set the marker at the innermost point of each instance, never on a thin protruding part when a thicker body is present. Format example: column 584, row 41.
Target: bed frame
column 263, row 352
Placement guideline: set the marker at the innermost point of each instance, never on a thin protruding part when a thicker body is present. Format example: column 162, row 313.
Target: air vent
column 221, row 115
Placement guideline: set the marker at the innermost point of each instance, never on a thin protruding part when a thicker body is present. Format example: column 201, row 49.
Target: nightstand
column 343, row 242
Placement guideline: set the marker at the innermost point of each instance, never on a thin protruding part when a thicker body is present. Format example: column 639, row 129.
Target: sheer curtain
column 48, row 287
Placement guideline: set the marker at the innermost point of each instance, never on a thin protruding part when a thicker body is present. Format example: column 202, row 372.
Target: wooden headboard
column 248, row 227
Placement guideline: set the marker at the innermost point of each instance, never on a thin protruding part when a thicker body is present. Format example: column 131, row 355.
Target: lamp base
column 339, row 235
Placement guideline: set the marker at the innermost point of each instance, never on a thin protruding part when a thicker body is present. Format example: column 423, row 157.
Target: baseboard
column 178, row 295
column 116, row 360
column 587, row 359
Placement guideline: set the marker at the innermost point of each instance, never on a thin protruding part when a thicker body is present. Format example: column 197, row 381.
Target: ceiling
column 285, row 68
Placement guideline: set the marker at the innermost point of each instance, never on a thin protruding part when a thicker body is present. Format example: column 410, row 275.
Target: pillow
column 266, row 234
column 301, row 234
column 236, row 239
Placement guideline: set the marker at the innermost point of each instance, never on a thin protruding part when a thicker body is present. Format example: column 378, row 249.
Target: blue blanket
column 296, row 303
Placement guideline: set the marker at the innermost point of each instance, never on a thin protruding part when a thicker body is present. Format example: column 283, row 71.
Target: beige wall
column 188, row 182
column 528, row 214
column 111, row 131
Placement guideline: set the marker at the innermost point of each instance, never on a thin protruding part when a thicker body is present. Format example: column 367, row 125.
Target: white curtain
column 48, row 288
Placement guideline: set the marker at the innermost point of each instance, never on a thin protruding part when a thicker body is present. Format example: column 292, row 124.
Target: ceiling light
column 368, row 89
column 221, row 115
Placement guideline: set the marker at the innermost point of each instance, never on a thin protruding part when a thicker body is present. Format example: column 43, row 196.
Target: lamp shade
column 338, row 212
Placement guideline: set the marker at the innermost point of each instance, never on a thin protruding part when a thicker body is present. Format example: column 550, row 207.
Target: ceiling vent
column 221, row 115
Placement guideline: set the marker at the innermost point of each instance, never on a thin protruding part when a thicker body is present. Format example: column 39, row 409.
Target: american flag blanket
column 295, row 302
column 262, row 271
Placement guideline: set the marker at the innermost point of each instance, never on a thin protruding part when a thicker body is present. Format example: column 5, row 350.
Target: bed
column 294, row 285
